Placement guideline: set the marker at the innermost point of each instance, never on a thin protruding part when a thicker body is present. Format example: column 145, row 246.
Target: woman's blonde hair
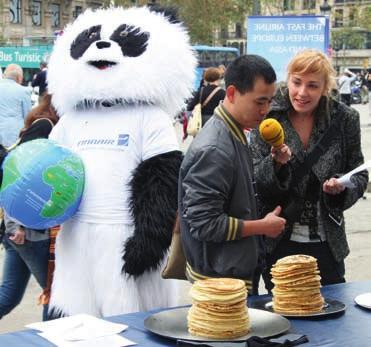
column 312, row 61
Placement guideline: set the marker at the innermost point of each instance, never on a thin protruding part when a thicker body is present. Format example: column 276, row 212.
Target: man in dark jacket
column 39, row 80
column 217, row 201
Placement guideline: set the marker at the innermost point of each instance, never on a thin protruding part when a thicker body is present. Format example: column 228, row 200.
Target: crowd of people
column 242, row 203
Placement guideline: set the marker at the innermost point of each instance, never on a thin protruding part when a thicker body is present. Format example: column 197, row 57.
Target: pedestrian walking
column 26, row 250
column 15, row 103
column 39, row 80
column 345, row 86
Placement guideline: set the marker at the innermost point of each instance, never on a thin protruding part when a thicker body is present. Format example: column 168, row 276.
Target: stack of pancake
column 218, row 309
column 296, row 285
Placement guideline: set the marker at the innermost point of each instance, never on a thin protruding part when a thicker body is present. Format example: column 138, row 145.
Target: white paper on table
column 78, row 327
column 104, row 341
column 345, row 180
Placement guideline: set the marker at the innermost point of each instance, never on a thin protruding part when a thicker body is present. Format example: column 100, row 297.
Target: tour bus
column 213, row 57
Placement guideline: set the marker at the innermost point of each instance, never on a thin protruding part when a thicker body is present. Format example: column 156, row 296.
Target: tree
column 352, row 33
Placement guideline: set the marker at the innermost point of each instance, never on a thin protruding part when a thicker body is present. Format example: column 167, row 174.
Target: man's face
column 249, row 108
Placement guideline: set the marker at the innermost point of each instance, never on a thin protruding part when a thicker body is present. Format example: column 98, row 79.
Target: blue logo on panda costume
column 123, row 140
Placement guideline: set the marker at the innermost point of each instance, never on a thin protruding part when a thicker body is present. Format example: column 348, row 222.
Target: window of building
column 309, row 4
column 353, row 14
column 55, row 10
column 339, row 20
column 15, row 8
column 77, row 11
column 288, row 5
column 238, row 30
column 35, row 11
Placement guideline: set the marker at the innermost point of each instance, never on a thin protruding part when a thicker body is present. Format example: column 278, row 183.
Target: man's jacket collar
column 232, row 125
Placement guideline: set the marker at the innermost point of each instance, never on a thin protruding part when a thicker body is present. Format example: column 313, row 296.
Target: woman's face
column 305, row 91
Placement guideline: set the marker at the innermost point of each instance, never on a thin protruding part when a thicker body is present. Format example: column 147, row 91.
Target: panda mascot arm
column 153, row 204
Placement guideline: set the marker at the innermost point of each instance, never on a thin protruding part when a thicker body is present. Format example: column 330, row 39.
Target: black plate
column 173, row 324
column 331, row 307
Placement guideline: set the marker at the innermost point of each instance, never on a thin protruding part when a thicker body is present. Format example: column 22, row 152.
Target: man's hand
column 19, row 237
column 281, row 155
column 333, row 186
column 273, row 224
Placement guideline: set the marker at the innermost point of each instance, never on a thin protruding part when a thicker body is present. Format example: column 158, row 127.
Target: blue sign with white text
column 279, row 38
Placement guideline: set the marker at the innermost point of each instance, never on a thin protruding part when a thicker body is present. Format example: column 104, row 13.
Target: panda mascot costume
column 117, row 76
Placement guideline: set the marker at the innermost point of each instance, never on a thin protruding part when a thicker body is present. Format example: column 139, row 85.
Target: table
column 352, row 328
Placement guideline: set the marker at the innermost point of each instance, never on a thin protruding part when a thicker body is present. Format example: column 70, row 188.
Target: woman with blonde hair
column 322, row 142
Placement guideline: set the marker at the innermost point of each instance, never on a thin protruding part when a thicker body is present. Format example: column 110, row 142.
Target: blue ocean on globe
column 42, row 184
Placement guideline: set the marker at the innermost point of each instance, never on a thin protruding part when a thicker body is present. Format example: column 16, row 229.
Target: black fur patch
column 55, row 313
column 131, row 39
column 83, row 41
column 153, row 205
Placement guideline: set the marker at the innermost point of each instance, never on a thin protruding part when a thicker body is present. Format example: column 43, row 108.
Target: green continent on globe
column 11, row 174
column 66, row 188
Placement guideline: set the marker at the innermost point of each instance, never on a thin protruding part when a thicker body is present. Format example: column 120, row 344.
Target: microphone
column 271, row 131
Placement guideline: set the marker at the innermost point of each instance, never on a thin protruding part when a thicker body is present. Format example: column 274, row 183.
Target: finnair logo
column 123, row 140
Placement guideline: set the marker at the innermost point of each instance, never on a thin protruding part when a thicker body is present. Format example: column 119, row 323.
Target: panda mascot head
column 115, row 55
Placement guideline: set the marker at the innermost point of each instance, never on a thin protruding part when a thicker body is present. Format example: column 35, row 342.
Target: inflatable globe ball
column 42, row 184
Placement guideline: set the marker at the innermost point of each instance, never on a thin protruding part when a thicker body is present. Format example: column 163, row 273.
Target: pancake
column 218, row 309
column 296, row 285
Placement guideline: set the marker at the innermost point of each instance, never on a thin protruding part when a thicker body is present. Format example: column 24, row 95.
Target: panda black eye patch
column 132, row 40
column 83, row 41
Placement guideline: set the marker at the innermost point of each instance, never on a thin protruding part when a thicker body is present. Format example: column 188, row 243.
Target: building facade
column 35, row 22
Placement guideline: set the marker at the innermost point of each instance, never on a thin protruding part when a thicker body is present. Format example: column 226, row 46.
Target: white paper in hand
column 345, row 180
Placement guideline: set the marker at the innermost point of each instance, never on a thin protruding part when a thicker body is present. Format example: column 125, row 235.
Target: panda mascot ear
column 171, row 13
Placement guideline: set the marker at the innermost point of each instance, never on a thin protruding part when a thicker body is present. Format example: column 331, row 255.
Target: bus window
column 212, row 57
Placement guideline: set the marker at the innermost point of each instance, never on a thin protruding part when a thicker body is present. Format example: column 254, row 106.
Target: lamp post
column 325, row 8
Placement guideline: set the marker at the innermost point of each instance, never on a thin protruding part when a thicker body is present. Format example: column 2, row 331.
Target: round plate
column 363, row 300
column 331, row 307
column 173, row 324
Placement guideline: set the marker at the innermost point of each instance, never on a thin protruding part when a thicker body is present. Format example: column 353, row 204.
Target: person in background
column 219, row 222
column 222, row 68
column 211, row 88
column 15, row 103
column 315, row 223
column 368, row 80
column 39, row 80
column 364, row 86
column 345, row 86
column 26, row 250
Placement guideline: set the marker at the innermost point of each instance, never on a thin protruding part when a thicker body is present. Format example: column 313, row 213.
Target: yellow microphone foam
column 271, row 131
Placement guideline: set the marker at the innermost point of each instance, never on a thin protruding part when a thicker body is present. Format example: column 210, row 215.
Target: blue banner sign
column 26, row 57
column 279, row 38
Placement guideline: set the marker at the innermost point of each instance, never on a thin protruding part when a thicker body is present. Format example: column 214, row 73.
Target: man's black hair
column 246, row 69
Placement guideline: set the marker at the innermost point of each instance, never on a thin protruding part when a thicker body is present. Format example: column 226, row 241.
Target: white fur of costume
column 116, row 99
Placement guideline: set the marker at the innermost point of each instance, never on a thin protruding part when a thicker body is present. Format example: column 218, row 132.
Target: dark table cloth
column 352, row 328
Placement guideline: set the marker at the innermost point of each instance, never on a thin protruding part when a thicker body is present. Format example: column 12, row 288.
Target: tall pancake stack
column 218, row 309
column 296, row 285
